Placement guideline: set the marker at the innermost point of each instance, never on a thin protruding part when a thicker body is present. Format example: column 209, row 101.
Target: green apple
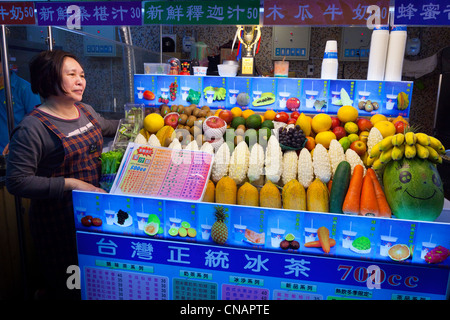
column 345, row 143
column 353, row 137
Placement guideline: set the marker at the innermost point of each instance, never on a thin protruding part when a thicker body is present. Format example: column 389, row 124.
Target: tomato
column 400, row 127
column 291, row 121
column 295, row 115
column 282, row 117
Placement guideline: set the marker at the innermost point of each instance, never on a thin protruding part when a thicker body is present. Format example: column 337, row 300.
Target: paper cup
column 391, row 101
column 363, row 95
column 233, row 95
column 165, row 93
column 426, row 247
column 239, row 232
column 184, row 93
column 140, row 92
column 80, row 213
column 276, row 237
column 310, row 98
column 386, row 243
column 200, row 71
column 109, row 214
column 142, row 219
column 206, row 231
column 283, row 98
column 209, row 96
column 310, row 234
column 175, row 223
column 347, row 238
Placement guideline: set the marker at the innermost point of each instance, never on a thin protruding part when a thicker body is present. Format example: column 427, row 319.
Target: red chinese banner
column 330, row 12
column 17, row 13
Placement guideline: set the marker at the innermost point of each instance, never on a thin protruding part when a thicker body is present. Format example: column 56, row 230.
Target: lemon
column 153, row 122
column 321, row 122
column 324, row 138
column 377, row 117
column 386, row 128
column 236, row 111
column 347, row 114
column 247, row 113
column 269, row 115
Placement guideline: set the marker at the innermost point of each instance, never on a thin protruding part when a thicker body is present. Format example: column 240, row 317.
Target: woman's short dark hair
column 46, row 72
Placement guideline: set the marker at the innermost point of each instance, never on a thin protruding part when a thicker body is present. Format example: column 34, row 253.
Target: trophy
column 250, row 37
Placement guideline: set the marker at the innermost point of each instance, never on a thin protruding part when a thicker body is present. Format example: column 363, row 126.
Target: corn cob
column 239, row 163
column 221, row 163
column 354, row 159
column 207, row 147
column 336, row 154
column 305, row 168
column 321, row 163
column 274, row 160
column 374, row 137
column 290, row 166
column 154, row 141
column 256, row 163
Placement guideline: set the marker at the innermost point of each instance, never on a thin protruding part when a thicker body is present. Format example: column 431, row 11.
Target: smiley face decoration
column 414, row 189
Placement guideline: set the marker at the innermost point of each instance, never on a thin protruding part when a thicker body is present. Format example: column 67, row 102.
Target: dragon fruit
column 437, row 255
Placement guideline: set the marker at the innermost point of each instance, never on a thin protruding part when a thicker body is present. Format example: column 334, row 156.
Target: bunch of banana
column 219, row 93
column 407, row 145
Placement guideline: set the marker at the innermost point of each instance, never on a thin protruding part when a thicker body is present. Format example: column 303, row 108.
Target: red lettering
column 347, row 271
column 411, row 281
column 392, row 278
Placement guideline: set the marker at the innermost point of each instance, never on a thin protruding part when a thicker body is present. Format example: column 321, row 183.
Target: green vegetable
column 341, row 181
column 111, row 161
column 193, row 96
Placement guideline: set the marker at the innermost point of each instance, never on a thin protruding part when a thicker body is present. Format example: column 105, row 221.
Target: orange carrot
column 324, row 239
column 329, row 185
column 383, row 206
column 353, row 196
column 368, row 203
column 316, row 244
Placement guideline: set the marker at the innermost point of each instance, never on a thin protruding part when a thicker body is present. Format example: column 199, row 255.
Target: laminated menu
column 163, row 172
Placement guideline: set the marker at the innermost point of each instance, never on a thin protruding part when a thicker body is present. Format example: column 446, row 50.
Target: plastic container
column 227, row 70
column 156, row 68
column 330, row 61
column 281, row 68
column 200, row 71
column 126, row 132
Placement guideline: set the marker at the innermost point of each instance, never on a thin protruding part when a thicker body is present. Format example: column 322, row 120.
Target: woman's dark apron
column 52, row 220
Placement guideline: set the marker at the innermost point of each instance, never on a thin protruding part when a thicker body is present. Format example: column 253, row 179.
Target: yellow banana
column 386, row 156
column 375, row 151
column 410, row 151
column 422, row 152
column 423, row 139
column 398, row 152
column 441, row 149
column 377, row 164
column 437, row 145
column 386, row 143
column 410, row 138
column 370, row 161
column 433, row 154
column 398, row 139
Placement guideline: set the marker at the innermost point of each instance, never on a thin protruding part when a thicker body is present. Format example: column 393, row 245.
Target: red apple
column 282, row 117
column 295, row 115
column 171, row 119
column 226, row 115
column 339, row 132
column 291, row 121
column 293, row 104
column 335, row 123
column 359, row 147
column 400, row 126
column 364, row 124
column 97, row 222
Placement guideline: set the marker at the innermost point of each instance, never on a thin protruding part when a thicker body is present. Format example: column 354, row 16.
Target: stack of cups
column 395, row 54
column 330, row 61
column 378, row 52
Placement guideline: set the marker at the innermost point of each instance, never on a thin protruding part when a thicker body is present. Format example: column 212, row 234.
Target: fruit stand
column 252, row 197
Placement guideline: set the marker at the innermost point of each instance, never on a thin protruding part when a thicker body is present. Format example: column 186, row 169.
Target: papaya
column 209, row 192
column 248, row 195
column 293, row 195
column 270, row 196
column 226, row 190
column 317, row 197
column 265, row 99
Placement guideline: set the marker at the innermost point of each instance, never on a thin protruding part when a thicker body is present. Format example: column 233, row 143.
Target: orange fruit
column 386, row 128
column 247, row 113
column 377, row 117
column 324, row 138
column 236, row 111
column 153, row 122
column 310, row 143
column 269, row 115
column 347, row 113
column 321, row 122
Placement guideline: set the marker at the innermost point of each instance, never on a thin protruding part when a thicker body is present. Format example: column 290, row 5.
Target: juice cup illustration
column 276, row 237
column 80, row 213
column 283, row 98
column 257, row 94
column 206, row 231
column 239, row 232
column 165, row 93
column 386, row 243
column 347, row 238
column 140, row 92
column 209, row 96
column 311, row 98
column 391, row 101
column 310, row 234
column 184, row 93
column 233, row 95
column 426, row 247
column 335, row 96
column 175, row 222
column 110, row 216
column 363, row 95
column 142, row 219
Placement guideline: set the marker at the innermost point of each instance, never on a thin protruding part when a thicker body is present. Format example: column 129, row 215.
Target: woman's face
column 73, row 80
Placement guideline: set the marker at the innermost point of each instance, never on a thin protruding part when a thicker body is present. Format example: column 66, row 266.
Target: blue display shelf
column 259, row 239
column 314, row 95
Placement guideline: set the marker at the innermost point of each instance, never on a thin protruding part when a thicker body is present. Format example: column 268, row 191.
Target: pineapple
column 219, row 230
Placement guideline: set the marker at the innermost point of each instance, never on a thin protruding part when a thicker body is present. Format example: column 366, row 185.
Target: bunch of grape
column 292, row 137
column 121, row 217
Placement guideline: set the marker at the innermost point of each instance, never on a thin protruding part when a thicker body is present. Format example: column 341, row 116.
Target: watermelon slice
column 254, row 237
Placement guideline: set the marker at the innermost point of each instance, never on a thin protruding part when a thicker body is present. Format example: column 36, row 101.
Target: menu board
column 309, row 95
column 163, row 172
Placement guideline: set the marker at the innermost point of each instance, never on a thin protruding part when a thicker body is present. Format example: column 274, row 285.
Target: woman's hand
column 75, row 184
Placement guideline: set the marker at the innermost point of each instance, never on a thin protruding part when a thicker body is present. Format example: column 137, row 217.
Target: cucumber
column 339, row 186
